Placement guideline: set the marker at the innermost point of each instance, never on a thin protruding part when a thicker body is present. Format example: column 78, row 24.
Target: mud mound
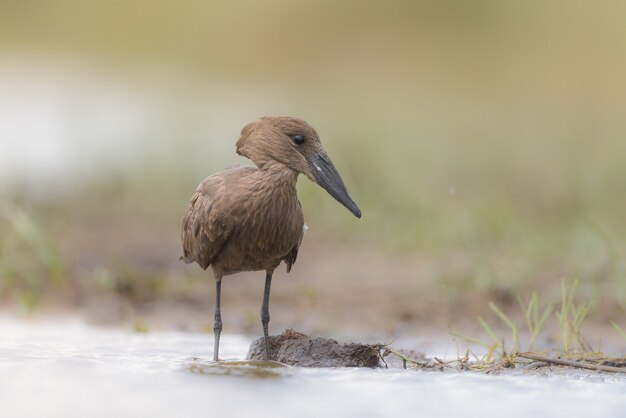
column 297, row 349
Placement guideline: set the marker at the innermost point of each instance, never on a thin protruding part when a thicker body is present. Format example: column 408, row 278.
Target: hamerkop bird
column 249, row 218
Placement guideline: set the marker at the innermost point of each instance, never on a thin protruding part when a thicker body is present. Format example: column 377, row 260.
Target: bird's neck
column 279, row 175
column 276, row 194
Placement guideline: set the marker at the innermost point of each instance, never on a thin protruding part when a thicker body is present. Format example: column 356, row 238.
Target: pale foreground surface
column 69, row 369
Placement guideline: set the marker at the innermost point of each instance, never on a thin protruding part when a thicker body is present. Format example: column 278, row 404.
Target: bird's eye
column 297, row 139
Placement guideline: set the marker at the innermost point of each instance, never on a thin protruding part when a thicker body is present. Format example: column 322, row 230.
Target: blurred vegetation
column 487, row 135
column 30, row 263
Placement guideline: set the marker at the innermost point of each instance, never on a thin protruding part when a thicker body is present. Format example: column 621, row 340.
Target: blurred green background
column 484, row 141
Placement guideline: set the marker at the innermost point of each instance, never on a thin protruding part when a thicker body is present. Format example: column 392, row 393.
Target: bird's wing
column 290, row 259
column 205, row 229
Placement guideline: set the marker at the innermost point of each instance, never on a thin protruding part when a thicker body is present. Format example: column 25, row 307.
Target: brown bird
column 249, row 218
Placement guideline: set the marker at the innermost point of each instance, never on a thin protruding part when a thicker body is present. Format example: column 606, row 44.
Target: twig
column 570, row 363
column 406, row 359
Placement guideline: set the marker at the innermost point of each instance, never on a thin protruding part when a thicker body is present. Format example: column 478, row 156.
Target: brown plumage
column 249, row 218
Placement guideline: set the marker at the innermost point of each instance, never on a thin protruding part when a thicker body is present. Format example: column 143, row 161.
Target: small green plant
column 570, row 318
column 140, row 328
column 534, row 321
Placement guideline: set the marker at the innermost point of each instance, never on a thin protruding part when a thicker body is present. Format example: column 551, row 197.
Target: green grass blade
column 488, row 330
column 507, row 321
column 619, row 330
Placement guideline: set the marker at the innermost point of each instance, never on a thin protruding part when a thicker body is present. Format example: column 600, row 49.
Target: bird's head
column 293, row 143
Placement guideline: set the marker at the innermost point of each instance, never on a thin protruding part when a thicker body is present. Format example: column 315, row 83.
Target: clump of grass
column 570, row 318
column 497, row 345
column 573, row 350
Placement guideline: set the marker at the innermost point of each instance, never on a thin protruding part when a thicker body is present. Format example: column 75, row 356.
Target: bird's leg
column 265, row 313
column 217, row 325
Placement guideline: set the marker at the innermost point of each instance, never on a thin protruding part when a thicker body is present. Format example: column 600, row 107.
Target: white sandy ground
column 66, row 369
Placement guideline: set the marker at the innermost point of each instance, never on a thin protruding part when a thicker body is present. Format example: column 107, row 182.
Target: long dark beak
column 327, row 176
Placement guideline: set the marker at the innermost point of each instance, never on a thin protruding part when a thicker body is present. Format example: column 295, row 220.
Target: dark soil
column 297, row 349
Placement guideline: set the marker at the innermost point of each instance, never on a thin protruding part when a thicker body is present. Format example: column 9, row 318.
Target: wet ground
column 69, row 369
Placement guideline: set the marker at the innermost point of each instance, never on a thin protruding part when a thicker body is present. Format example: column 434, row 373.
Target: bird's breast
column 274, row 224
column 269, row 228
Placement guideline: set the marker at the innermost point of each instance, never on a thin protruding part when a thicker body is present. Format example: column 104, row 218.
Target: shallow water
column 68, row 369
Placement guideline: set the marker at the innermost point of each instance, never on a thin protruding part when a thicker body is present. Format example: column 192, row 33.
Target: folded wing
column 204, row 231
